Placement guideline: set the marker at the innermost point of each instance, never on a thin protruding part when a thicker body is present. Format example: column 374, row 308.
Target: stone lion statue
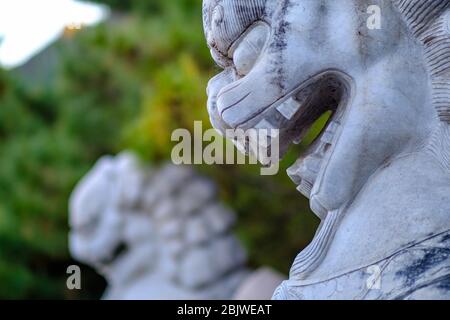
column 378, row 175
column 160, row 234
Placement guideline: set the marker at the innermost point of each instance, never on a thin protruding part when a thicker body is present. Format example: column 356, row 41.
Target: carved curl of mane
column 429, row 21
column 241, row 14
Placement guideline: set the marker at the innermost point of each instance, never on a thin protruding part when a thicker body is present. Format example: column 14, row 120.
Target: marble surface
column 378, row 175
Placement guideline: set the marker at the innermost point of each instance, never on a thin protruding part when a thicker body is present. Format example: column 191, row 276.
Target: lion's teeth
column 313, row 165
column 333, row 126
column 294, row 172
column 330, row 132
column 305, row 188
column 327, row 138
column 289, row 108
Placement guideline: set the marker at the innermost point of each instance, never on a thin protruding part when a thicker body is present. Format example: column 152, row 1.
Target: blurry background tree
column 124, row 84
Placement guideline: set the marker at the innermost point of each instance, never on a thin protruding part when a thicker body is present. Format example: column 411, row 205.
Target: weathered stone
column 378, row 175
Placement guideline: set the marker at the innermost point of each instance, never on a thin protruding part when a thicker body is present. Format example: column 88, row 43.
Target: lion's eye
column 246, row 51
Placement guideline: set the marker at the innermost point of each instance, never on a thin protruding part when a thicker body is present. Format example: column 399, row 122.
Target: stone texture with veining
column 378, row 175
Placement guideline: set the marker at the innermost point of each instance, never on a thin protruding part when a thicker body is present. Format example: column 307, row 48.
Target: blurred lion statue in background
column 160, row 234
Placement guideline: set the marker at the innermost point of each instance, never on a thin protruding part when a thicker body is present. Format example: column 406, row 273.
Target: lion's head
column 386, row 90
column 288, row 62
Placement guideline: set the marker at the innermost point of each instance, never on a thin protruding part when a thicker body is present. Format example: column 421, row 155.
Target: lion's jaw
column 300, row 74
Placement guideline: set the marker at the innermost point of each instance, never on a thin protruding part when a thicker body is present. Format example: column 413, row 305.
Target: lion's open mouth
column 325, row 99
column 296, row 115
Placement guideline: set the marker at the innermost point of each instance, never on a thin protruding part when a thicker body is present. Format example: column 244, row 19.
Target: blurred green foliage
column 125, row 84
column 151, row 7
column 42, row 158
